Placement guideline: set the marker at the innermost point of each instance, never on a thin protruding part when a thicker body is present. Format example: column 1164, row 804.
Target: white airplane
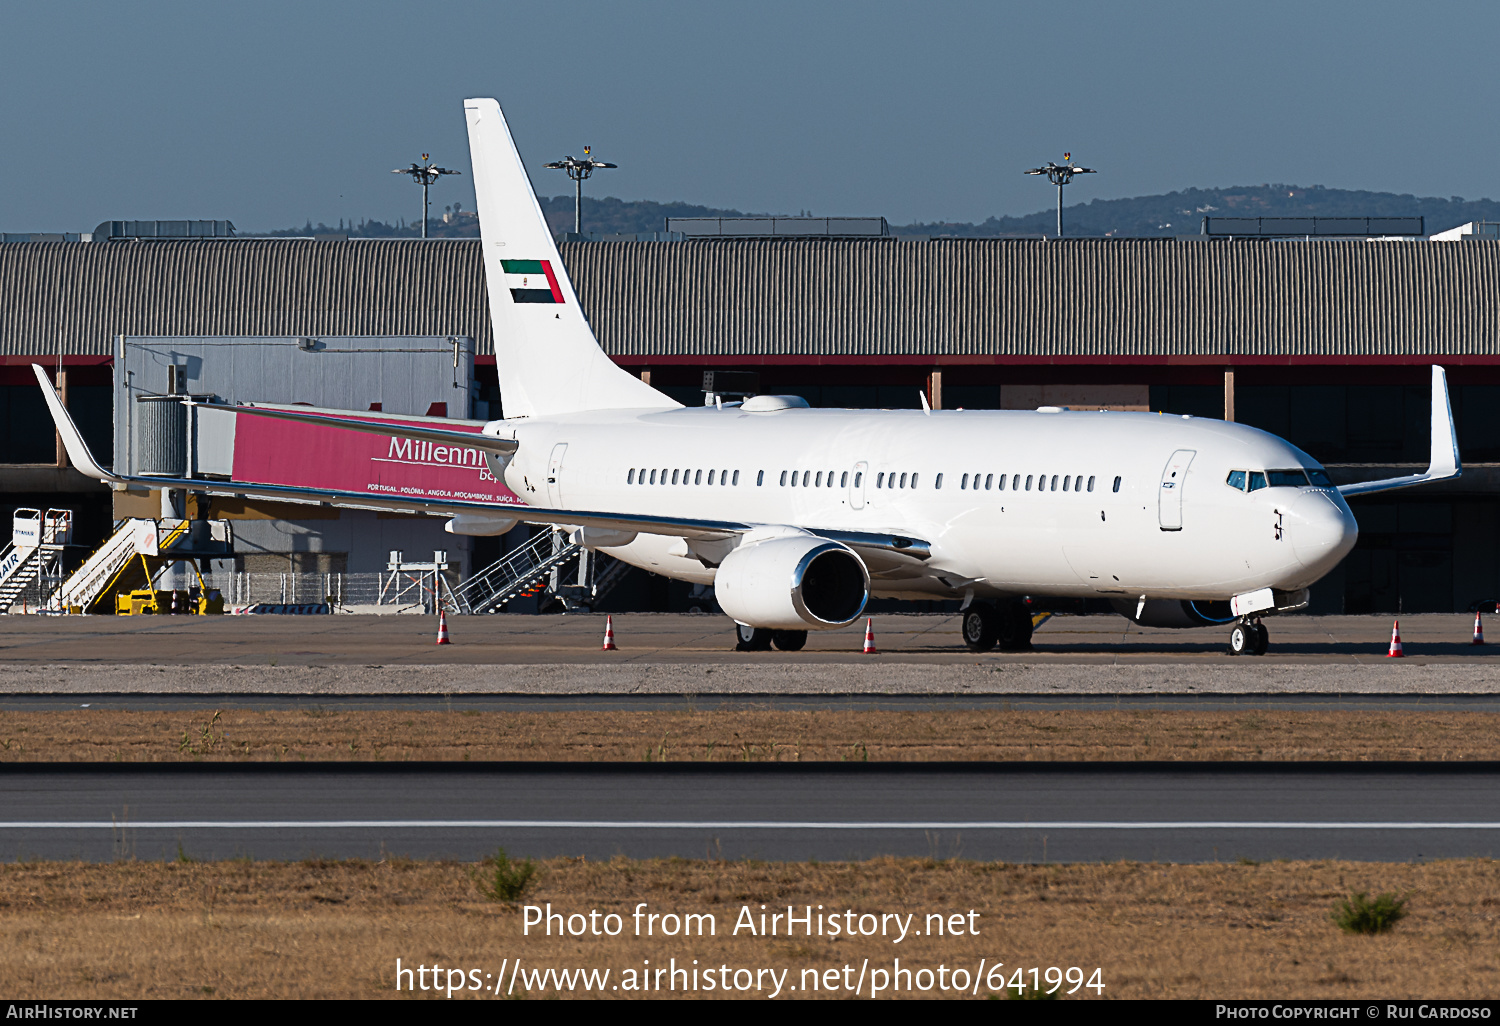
column 797, row 516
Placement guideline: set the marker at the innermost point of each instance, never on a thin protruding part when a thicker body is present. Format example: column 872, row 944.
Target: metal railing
column 516, row 572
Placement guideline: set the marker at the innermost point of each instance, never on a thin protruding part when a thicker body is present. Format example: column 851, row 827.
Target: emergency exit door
column 1169, row 496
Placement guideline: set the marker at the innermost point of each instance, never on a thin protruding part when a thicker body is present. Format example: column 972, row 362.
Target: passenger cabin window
column 1015, row 483
column 698, row 477
column 938, row 482
column 989, row 479
column 1066, row 481
column 710, row 477
column 1028, row 482
column 1117, row 484
column 1091, row 482
column 653, row 477
column 844, row 479
column 737, row 478
column 963, row 483
column 859, row 478
column 1236, row 479
column 1054, row 482
column 760, row 477
column 783, row 479
column 630, row 477
column 1001, row 483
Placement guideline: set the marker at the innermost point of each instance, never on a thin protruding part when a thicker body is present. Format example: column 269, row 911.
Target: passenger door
column 857, row 485
column 1169, row 496
column 554, row 475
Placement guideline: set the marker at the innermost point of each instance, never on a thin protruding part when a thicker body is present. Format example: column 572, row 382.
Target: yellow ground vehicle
column 202, row 600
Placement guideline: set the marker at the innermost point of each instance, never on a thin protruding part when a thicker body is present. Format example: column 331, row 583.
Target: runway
column 1080, row 813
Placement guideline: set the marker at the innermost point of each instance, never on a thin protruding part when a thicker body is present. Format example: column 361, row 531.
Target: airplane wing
column 1443, row 462
column 877, row 547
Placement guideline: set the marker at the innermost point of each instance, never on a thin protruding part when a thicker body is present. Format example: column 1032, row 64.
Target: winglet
column 78, row 450
column 1443, row 462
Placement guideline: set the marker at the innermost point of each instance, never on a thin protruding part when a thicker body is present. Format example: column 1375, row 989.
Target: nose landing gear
column 1247, row 638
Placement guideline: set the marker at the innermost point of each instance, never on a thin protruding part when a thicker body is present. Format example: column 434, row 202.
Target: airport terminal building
column 1326, row 342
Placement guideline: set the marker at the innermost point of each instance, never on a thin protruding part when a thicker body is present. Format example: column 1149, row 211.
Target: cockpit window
column 1236, row 479
column 1320, row 478
column 1287, row 478
column 1257, row 480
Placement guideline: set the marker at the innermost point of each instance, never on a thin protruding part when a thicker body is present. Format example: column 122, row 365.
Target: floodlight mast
column 578, row 170
column 1060, row 175
column 424, row 174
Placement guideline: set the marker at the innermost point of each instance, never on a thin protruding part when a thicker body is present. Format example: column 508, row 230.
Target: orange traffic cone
column 1478, row 630
column 870, row 637
column 609, row 635
column 443, row 627
column 1395, row 652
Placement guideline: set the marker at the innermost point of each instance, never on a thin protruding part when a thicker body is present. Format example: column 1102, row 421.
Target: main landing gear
column 1247, row 638
column 986, row 625
column 760, row 639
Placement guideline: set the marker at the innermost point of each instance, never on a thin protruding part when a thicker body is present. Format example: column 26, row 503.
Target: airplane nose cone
column 1321, row 530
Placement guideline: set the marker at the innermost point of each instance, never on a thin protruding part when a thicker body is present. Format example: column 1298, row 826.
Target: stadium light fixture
column 1060, row 175
column 424, row 174
column 578, row 170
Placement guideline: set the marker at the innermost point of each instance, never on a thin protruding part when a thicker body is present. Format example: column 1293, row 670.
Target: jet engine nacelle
column 1174, row 612
column 795, row 584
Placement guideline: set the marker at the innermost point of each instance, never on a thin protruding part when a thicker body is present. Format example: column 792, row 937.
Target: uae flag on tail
column 531, row 281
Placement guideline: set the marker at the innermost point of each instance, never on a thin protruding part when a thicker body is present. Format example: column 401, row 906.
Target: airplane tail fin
column 548, row 359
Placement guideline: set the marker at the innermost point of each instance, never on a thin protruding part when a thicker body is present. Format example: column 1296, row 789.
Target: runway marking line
column 573, row 824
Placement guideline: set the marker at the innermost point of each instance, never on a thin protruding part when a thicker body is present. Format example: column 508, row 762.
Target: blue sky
column 271, row 113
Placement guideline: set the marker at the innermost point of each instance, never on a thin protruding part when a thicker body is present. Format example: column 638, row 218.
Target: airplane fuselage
column 1066, row 503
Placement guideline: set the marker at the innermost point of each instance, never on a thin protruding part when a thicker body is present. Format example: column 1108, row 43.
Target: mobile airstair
column 34, row 555
column 520, row 571
column 536, row 567
column 125, row 561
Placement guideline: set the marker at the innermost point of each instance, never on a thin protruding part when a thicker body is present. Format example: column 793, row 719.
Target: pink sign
column 281, row 452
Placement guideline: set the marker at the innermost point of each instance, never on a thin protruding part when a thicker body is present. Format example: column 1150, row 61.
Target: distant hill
column 609, row 214
column 1174, row 213
column 1182, row 213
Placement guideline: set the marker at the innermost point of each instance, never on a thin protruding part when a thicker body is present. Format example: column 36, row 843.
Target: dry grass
column 335, row 929
column 744, row 735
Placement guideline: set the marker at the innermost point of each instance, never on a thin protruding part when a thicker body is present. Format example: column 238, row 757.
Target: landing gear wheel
column 752, row 639
column 1242, row 639
column 1262, row 640
column 981, row 626
column 789, row 641
column 1015, row 628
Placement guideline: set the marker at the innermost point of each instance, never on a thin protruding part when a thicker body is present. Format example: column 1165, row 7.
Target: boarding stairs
column 34, row 552
column 515, row 573
column 537, row 567
column 109, row 565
